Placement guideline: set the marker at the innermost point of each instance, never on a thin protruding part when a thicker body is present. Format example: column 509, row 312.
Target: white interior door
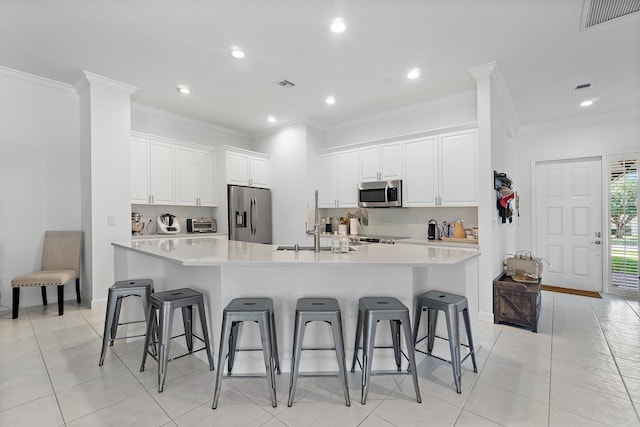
column 569, row 222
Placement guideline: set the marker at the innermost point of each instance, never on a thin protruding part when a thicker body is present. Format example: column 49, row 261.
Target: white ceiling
column 157, row 44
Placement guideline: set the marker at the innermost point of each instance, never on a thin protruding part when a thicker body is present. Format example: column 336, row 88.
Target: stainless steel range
column 389, row 240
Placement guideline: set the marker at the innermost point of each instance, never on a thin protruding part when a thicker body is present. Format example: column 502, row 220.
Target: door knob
column 597, row 242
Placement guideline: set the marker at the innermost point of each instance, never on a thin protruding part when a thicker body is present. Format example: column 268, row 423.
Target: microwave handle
column 386, row 193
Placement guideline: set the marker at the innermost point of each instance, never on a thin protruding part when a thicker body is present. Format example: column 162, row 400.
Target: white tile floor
column 581, row 369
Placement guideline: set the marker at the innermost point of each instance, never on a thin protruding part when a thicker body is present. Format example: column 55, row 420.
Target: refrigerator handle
column 251, row 216
column 255, row 214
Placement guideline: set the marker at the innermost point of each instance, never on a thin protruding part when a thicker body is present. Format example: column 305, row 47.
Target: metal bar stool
column 117, row 293
column 451, row 305
column 370, row 312
column 318, row 309
column 259, row 310
column 166, row 302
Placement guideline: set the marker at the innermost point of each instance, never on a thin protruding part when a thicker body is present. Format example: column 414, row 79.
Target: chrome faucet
column 316, row 228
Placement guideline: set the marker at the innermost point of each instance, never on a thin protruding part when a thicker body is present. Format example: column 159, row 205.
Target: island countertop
column 218, row 251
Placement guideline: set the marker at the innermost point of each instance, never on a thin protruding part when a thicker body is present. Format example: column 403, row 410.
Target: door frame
column 603, row 208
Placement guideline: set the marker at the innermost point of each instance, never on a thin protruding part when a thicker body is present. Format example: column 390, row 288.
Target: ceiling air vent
column 598, row 11
column 583, row 86
column 286, row 84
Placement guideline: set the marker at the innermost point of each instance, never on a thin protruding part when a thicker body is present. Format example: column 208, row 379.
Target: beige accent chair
column 61, row 255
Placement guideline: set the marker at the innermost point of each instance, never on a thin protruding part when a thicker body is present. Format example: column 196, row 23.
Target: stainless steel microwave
column 380, row 194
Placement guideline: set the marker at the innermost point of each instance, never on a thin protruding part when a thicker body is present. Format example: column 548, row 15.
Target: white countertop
column 219, row 251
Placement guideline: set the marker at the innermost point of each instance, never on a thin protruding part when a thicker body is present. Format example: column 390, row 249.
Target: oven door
column 380, row 194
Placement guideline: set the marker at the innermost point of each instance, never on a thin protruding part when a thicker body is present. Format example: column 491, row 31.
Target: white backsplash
column 151, row 212
column 408, row 222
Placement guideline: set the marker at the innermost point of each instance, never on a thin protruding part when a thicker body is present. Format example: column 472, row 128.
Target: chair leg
column 357, row 344
column 187, row 321
column 298, row 340
column 16, row 302
column 107, row 337
column 453, row 330
column 205, row 333
column 222, row 354
column 274, row 341
column 395, row 339
column 432, row 322
column 416, row 322
column 233, row 340
column 78, row 289
column 60, row 300
column 368, row 344
column 43, row 291
column 412, row 356
column 267, row 350
column 338, row 343
column 467, row 326
column 164, row 324
column 151, row 337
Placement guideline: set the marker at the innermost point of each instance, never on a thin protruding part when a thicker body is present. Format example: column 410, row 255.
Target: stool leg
column 149, row 336
column 467, row 326
column 222, row 354
column 187, row 321
column 416, row 322
column 357, row 344
column 432, row 321
column 274, row 341
column 267, row 345
column 116, row 319
column 453, row 330
column 108, row 325
column 165, row 325
column 395, row 339
column 411, row 355
column 233, row 340
column 338, row 343
column 205, row 333
column 369, row 336
column 145, row 309
column 298, row 340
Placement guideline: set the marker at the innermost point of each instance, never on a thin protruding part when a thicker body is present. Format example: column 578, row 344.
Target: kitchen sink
column 305, row 248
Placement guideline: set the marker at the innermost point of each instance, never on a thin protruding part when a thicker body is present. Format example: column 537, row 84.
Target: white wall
column 39, row 174
column 592, row 136
column 162, row 123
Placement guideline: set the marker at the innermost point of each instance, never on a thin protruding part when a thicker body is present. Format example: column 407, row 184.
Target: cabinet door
column 140, row 172
column 459, row 169
column 206, row 184
column 420, row 184
column 162, row 173
column 237, row 168
column 260, row 172
column 327, row 180
column 348, row 178
column 391, row 161
column 370, row 164
column 185, row 177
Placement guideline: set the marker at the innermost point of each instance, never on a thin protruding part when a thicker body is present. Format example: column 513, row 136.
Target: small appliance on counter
column 167, row 224
column 136, row 224
column 201, row 225
column 433, row 232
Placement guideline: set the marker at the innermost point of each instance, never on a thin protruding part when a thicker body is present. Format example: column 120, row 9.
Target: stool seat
column 451, row 305
column 324, row 310
column 370, row 311
column 117, row 292
column 165, row 303
column 259, row 310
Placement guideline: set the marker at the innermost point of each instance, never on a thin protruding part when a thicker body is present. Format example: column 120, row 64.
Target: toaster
column 201, row 225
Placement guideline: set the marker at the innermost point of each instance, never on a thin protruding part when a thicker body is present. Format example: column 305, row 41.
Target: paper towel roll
column 342, row 229
column 353, row 226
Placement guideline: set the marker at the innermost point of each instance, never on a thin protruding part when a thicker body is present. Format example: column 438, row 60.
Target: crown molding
column 300, row 122
column 10, row 72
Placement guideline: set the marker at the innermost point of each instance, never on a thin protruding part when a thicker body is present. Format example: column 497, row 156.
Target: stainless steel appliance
column 249, row 214
column 389, row 240
column 433, row 232
column 201, row 225
column 136, row 224
column 380, row 194
column 167, row 224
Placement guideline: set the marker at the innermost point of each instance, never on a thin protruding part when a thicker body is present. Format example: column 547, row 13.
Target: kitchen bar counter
column 223, row 270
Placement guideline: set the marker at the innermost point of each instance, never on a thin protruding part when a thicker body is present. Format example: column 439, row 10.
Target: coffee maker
column 433, row 232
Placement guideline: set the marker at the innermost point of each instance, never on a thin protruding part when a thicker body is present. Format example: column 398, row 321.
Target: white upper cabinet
column 441, row 170
column 195, row 182
column 244, row 168
column 381, row 162
column 338, row 177
column 166, row 173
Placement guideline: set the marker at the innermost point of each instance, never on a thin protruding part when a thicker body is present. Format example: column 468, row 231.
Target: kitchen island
column 223, row 270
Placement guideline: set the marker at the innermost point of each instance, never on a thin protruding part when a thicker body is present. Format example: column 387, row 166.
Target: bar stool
column 370, row 311
column 259, row 310
column 452, row 305
column 318, row 309
column 166, row 302
column 117, row 293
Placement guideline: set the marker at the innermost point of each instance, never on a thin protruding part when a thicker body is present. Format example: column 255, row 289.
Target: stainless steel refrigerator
column 249, row 214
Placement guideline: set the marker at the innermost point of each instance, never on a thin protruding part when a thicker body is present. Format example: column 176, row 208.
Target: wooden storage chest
column 516, row 303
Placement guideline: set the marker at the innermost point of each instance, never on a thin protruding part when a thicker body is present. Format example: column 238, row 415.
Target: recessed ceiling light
column 338, row 25
column 237, row 53
column 271, row 119
column 330, row 100
column 587, row 103
column 413, row 74
column 184, row 90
